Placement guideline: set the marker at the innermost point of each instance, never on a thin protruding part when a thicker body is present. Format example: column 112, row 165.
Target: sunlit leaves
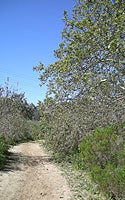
column 91, row 51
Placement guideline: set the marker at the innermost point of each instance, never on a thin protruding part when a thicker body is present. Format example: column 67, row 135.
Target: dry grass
column 81, row 186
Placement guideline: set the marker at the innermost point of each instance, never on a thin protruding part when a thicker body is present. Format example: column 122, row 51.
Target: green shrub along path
column 103, row 156
column 18, row 120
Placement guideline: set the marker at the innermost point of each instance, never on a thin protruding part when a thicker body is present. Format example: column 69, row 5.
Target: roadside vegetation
column 82, row 118
column 83, row 114
column 17, row 120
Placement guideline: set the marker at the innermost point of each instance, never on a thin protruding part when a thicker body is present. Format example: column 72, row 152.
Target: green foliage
column 14, row 115
column 86, row 89
column 100, row 147
column 28, row 111
column 34, row 130
column 103, row 155
column 59, row 127
column 91, row 50
column 86, row 83
column 3, row 151
column 110, row 180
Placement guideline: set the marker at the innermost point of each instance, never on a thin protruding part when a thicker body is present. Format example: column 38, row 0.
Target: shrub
column 14, row 115
column 103, row 155
column 3, row 150
column 34, row 130
column 110, row 180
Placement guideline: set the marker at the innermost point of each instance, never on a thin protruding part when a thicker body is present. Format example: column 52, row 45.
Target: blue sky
column 29, row 32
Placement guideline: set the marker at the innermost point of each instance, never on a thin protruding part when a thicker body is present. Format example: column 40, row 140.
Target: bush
column 103, row 155
column 110, row 180
column 14, row 115
column 3, row 151
column 34, row 130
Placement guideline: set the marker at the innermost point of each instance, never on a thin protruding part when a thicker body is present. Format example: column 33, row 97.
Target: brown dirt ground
column 31, row 175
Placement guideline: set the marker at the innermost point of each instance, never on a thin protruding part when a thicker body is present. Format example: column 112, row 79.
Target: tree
column 89, row 71
column 29, row 111
column 92, row 50
column 86, row 84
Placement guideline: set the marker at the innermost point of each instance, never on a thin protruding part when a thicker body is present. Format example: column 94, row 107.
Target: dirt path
column 30, row 175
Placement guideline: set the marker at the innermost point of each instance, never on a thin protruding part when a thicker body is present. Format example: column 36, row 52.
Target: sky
column 30, row 30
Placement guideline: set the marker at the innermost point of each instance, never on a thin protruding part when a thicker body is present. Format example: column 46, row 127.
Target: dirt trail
column 30, row 175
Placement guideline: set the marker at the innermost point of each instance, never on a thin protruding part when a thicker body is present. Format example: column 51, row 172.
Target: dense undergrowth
column 96, row 168
column 3, row 152
column 103, row 156
column 83, row 114
column 18, row 121
column 82, row 118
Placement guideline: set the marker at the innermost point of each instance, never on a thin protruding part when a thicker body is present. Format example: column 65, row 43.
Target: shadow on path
column 16, row 160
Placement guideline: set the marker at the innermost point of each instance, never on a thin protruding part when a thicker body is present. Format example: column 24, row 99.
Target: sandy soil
column 31, row 175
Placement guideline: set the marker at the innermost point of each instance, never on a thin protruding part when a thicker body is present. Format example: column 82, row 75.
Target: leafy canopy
column 91, row 51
